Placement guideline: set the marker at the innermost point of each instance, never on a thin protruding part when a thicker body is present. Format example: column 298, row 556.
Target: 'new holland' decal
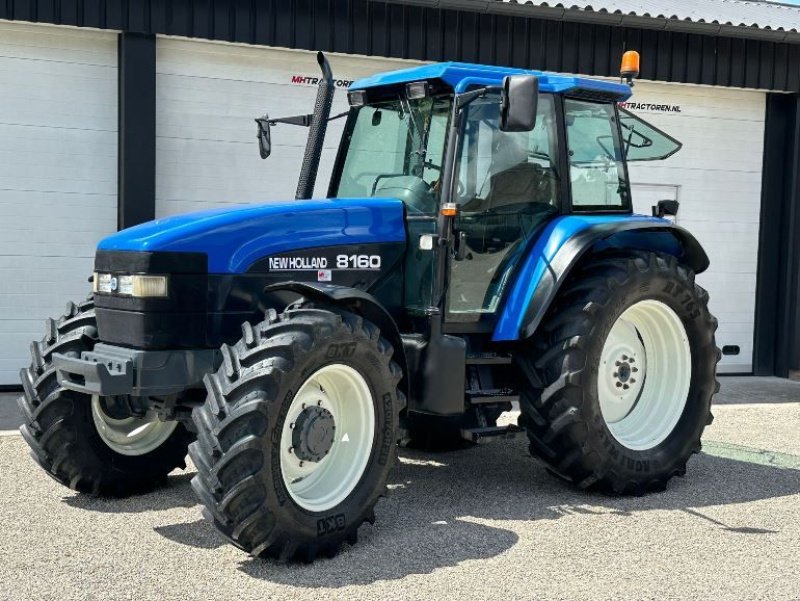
column 297, row 263
column 340, row 262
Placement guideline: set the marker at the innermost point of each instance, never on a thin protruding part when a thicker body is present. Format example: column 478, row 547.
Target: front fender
column 561, row 245
column 357, row 301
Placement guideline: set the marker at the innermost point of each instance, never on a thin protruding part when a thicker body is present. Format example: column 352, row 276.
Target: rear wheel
column 100, row 445
column 621, row 374
column 298, row 434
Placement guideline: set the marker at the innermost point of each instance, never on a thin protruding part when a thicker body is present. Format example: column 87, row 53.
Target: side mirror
column 666, row 207
column 520, row 97
column 264, row 136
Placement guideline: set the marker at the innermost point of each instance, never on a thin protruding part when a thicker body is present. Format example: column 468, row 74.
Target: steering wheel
column 417, row 194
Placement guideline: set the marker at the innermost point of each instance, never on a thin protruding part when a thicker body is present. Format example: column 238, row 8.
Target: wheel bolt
column 301, row 464
column 291, row 426
column 634, row 369
column 633, row 381
column 619, row 384
column 291, row 449
column 624, row 357
column 625, row 387
column 302, row 405
column 632, row 360
column 618, row 363
column 614, row 375
column 319, row 403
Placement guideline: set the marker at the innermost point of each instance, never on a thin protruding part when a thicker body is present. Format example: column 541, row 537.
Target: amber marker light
column 449, row 209
column 629, row 69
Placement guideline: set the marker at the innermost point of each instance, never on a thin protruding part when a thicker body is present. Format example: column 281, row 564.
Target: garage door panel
column 208, row 96
column 227, row 114
column 717, row 175
column 58, row 174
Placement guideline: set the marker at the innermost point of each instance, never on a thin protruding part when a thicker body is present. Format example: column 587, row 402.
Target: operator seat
column 516, row 189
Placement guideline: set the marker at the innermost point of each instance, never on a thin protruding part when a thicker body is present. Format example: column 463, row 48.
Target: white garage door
column 58, row 174
column 208, row 95
column 717, row 179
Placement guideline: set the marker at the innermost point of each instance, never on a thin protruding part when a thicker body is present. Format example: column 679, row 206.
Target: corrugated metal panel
column 733, row 13
column 398, row 29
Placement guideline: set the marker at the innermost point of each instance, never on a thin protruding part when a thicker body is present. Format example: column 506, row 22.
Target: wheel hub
column 644, row 375
column 625, row 372
column 126, row 432
column 326, row 437
column 313, row 433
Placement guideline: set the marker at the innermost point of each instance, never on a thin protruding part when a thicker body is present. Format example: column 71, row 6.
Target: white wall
column 209, row 94
column 58, row 174
column 717, row 178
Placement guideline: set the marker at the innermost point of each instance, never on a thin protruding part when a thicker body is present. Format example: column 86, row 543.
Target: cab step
column 491, row 396
column 488, row 359
column 477, row 435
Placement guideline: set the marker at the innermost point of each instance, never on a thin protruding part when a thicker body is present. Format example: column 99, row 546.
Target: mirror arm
column 301, row 120
column 465, row 98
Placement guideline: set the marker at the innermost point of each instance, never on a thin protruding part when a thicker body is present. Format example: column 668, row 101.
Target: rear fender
column 353, row 300
column 564, row 242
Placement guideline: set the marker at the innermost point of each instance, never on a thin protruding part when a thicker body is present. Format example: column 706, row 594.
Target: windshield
column 396, row 149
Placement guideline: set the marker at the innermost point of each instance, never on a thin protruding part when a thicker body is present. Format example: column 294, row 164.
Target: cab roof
column 460, row 76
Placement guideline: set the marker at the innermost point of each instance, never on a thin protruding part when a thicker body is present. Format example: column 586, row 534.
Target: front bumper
column 110, row 370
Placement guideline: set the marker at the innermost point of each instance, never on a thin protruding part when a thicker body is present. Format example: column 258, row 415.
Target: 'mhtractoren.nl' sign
column 648, row 106
column 308, row 80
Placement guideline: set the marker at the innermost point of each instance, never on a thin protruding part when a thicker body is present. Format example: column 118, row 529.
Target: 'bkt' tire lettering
column 341, row 351
column 330, row 524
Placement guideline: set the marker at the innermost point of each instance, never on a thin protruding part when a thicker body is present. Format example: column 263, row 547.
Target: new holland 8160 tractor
column 477, row 248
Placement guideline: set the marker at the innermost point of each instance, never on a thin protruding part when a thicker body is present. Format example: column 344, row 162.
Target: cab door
column 509, row 185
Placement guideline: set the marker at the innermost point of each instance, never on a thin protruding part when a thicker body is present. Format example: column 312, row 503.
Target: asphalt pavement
column 481, row 523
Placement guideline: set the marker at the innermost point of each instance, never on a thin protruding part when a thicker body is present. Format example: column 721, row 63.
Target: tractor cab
column 506, row 151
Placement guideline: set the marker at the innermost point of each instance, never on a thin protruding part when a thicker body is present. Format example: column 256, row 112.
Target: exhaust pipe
column 316, row 134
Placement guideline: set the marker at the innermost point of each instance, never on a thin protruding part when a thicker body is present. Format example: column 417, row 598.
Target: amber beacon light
column 629, row 69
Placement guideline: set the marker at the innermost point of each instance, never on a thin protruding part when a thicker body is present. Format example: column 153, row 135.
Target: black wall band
column 137, row 129
column 393, row 29
column 777, row 321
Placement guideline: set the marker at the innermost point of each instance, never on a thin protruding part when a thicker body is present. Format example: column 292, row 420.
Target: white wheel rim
column 644, row 375
column 344, row 394
column 131, row 435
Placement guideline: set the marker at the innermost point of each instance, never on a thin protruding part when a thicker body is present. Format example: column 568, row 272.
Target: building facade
column 114, row 112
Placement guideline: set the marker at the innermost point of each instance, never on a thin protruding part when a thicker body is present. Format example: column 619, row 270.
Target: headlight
column 147, row 285
column 138, row 286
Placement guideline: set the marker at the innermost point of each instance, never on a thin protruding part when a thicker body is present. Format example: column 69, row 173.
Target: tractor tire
column 620, row 376
column 66, row 430
column 298, row 433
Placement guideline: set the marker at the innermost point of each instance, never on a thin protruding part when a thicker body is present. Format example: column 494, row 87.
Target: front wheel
column 621, row 374
column 97, row 445
column 298, row 434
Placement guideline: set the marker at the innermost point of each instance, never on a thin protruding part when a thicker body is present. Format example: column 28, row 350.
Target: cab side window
column 597, row 171
column 499, row 169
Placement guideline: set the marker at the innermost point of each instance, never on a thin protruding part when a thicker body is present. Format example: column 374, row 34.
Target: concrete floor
column 480, row 523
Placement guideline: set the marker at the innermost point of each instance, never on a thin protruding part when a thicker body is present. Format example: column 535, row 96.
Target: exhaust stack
column 316, row 134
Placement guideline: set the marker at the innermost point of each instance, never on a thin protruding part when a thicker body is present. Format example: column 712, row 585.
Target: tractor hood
column 237, row 236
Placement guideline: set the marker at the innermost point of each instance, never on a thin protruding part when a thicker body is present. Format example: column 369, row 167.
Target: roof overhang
column 461, row 76
column 605, row 17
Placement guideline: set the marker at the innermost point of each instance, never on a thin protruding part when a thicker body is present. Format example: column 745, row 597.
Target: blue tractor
column 477, row 248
